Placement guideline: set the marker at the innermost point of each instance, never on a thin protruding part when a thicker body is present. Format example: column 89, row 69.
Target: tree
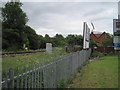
column 93, row 43
column 71, row 39
column 13, row 24
column 79, row 40
column 41, row 41
column 10, row 39
column 33, row 39
column 58, row 40
column 108, row 41
column 74, row 39
column 47, row 38
column 13, row 16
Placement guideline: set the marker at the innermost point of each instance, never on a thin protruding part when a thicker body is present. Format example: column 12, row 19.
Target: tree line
column 16, row 35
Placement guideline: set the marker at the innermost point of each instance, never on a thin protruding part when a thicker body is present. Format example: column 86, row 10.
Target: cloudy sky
column 68, row 17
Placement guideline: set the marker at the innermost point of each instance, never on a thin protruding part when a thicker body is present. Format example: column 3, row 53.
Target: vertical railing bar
column 32, row 79
column 7, row 77
column 17, row 85
column 35, row 80
column 38, row 79
column 21, row 78
column 29, row 80
column 11, row 76
column 26, row 77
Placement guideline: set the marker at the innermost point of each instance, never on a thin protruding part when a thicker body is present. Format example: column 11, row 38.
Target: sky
column 67, row 17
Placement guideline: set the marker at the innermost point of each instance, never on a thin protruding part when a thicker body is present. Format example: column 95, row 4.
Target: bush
column 13, row 48
column 79, row 69
column 111, row 53
column 96, row 54
column 61, row 83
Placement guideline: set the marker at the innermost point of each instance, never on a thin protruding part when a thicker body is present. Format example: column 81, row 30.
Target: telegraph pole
column 116, row 39
column 119, row 49
column 119, row 26
column 116, row 32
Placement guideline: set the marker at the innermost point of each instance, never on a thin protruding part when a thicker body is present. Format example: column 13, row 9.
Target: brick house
column 98, row 37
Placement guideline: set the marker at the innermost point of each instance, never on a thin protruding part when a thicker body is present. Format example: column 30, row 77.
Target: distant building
column 98, row 37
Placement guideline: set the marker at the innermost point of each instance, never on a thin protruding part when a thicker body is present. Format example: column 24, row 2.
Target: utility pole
column 116, row 32
column 119, row 25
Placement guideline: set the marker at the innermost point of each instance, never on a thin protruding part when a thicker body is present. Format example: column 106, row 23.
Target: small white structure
column 48, row 47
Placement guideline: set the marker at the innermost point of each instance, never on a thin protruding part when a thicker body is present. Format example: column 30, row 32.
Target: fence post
column 11, row 77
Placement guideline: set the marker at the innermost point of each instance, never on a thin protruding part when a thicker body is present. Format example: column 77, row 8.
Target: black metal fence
column 49, row 75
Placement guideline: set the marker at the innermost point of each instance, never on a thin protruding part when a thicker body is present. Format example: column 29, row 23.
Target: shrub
column 13, row 47
column 61, row 83
column 96, row 53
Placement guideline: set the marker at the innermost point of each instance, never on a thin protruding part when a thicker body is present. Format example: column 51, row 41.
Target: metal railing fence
column 47, row 76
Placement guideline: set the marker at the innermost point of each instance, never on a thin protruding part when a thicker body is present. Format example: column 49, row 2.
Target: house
column 98, row 37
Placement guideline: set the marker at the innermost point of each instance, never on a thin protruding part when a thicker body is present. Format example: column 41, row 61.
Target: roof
column 97, row 34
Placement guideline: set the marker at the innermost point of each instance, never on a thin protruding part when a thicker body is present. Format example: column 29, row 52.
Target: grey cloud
column 60, row 16
column 95, row 11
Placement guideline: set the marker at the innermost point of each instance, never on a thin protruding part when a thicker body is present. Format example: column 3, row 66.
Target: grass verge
column 102, row 73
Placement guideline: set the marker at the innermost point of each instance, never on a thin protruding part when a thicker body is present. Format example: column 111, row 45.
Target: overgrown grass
column 102, row 73
column 32, row 60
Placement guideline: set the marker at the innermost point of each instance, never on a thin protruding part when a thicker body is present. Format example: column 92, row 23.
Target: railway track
column 16, row 53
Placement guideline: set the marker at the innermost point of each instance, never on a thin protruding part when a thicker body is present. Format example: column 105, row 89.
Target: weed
column 61, row 83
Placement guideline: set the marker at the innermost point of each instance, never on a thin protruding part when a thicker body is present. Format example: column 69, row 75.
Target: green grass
column 37, row 59
column 102, row 73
